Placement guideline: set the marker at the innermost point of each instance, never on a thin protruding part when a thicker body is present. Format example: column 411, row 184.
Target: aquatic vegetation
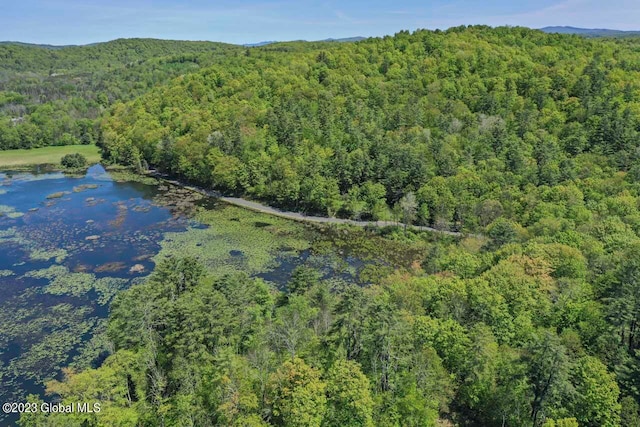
column 126, row 175
column 2, row 191
column 64, row 282
column 41, row 254
column 82, row 268
column 8, row 233
column 92, row 350
column 10, row 212
column 71, row 283
column 137, row 269
column 65, row 328
column 370, row 246
column 57, row 194
column 4, row 209
column 142, row 257
column 47, row 273
column 84, row 187
column 180, row 201
column 140, row 208
column 36, row 251
column 45, row 335
column 92, row 201
column 57, row 309
column 233, row 229
column 121, row 216
column 108, row 287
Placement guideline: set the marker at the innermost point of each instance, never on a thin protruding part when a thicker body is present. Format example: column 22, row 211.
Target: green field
column 46, row 155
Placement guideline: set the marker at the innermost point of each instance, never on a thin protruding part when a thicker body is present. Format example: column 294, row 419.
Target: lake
column 69, row 244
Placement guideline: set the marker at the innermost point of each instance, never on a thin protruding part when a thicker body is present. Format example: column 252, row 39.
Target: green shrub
column 75, row 160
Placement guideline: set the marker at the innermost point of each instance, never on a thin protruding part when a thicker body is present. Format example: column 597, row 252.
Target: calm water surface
column 85, row 228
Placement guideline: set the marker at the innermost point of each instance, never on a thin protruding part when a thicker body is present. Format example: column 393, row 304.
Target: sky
column 62, row 22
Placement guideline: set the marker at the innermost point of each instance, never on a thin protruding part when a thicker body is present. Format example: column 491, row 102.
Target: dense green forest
column 478, row 123
column 54, row 96
column 527, row 140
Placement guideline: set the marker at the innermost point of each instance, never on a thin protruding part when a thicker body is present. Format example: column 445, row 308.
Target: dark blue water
column 104, row 231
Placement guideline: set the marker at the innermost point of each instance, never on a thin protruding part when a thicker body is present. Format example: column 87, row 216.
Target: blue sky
column 246, row 21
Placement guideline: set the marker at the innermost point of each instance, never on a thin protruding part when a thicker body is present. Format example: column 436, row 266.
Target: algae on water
column 63, row 282
column 233, row 229
column 10, row 212
column 45, row 255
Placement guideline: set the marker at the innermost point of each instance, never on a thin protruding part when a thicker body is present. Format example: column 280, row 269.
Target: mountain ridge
column 589, row 32
column 329, row 40
column 258, row 44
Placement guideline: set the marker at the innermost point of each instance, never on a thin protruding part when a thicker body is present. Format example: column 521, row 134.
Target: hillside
column 349, row 129
column 20, row 57
column 52, row 96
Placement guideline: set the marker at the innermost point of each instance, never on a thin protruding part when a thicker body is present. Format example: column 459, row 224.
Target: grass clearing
column 46, row 155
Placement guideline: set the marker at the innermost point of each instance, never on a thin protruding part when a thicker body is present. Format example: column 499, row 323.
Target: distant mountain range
column 585, row 32
column 264, row 43
column 44, row 46
column 259, row 43
column 590, row 32
column 343, row 40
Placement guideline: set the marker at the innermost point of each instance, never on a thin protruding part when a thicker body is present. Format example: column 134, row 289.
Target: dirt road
column 296, row 216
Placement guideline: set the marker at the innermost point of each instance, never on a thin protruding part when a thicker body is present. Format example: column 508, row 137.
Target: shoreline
column 248, row 204
column 297, row 216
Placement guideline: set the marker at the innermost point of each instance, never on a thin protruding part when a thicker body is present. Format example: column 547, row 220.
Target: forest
column 55, row 96
column 477, row 123
column 525, row 142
